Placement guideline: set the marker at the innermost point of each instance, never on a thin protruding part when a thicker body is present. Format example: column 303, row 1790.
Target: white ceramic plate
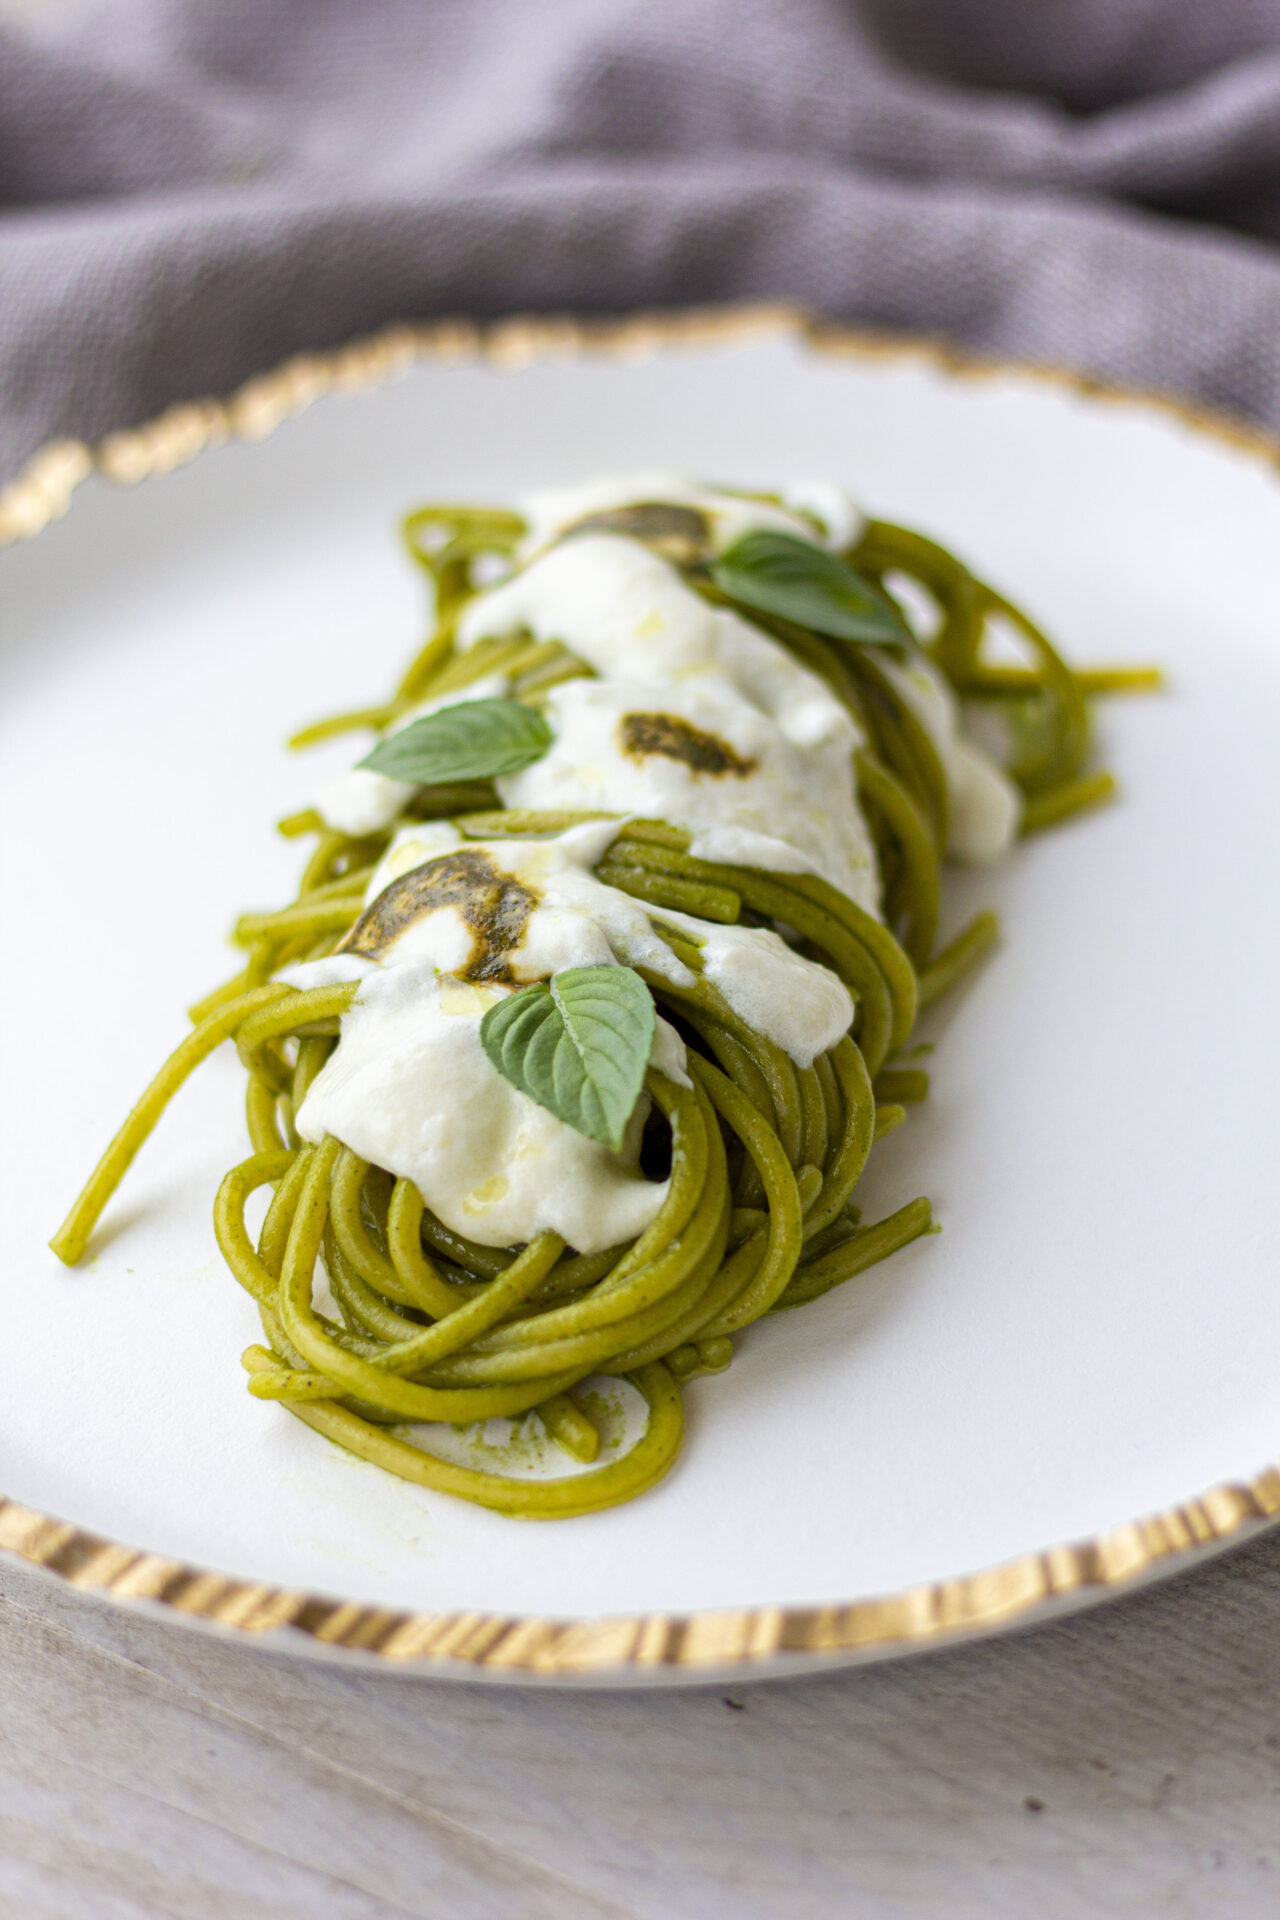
column 1096, row 1333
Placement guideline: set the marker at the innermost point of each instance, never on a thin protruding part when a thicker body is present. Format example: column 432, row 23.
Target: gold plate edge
column 1016, row 1591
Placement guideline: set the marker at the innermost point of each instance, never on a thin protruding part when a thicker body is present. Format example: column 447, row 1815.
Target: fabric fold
column 190, row 189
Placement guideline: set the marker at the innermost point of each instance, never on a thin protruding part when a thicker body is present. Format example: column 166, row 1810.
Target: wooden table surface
column 1126, row 1762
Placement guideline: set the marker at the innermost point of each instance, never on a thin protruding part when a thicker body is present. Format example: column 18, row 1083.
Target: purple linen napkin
column 191, row 189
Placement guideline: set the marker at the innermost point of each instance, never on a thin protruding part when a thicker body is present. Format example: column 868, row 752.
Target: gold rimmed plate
column 1095, row 1335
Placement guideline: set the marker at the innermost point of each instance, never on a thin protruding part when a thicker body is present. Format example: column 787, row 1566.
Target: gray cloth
column 191, row 189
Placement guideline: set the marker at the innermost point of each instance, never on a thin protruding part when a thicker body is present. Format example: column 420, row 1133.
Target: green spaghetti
column 592, row 857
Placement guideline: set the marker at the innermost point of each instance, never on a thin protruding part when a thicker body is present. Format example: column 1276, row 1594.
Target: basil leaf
column 781, row 574
column 471, row 740
column 578, row 1044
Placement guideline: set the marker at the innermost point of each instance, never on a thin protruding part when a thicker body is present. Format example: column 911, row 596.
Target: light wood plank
column 1126, row 1762
column 92, row 1727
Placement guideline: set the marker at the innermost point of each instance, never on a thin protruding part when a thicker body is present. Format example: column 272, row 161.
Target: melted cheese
column 579, row 922
column 409, row 1087
column 986, row 806
column 651, row 639
column 492, row 1164
column 780, row 807
column 810, row 509
column 696, row 717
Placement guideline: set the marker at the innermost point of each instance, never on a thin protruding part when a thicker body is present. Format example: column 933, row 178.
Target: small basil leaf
column 781, row 574
column 472, row 740
column 578, row 1045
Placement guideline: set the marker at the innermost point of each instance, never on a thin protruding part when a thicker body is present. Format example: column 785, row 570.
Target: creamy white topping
column 628, row 613
column 696, row 717
column 836, row 512
column 775, row 804
column 363, row 801
column 809, row 509
column 579, row 922
column 802, row 1007
column 409, row 1087
column 986, row 807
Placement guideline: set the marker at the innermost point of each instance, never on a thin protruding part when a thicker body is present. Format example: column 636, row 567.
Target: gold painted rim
column 1014, row 1593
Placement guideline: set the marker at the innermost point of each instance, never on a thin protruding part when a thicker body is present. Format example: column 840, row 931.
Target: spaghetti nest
column 377, row 1317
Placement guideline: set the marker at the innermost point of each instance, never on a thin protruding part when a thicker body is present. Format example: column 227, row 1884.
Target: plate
column 1095, row 1334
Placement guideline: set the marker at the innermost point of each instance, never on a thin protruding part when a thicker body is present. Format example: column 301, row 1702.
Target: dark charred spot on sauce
column 644, row 733
column 493, row 905
column 680, row 534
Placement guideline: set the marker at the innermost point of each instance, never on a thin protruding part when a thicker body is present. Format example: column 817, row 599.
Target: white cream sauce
column 492, row 1164
column 579, row 922
column 628, row 613
column 986, row 806
column 409, row 1086
column 778, row 806
column 809, row 509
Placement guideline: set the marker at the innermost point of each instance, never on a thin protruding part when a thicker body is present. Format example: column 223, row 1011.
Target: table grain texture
column 1125, row 1762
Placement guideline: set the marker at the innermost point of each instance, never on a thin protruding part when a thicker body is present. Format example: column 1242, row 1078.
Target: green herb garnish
column 578, row 1044
column 471, row 740
column 781, row 574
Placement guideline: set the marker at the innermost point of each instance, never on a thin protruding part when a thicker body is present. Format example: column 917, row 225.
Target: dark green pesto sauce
column 642, row 734
column 679, row 534
column 493, row 905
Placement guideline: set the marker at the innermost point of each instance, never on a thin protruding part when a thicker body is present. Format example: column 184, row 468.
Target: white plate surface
column 1096, row 1332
